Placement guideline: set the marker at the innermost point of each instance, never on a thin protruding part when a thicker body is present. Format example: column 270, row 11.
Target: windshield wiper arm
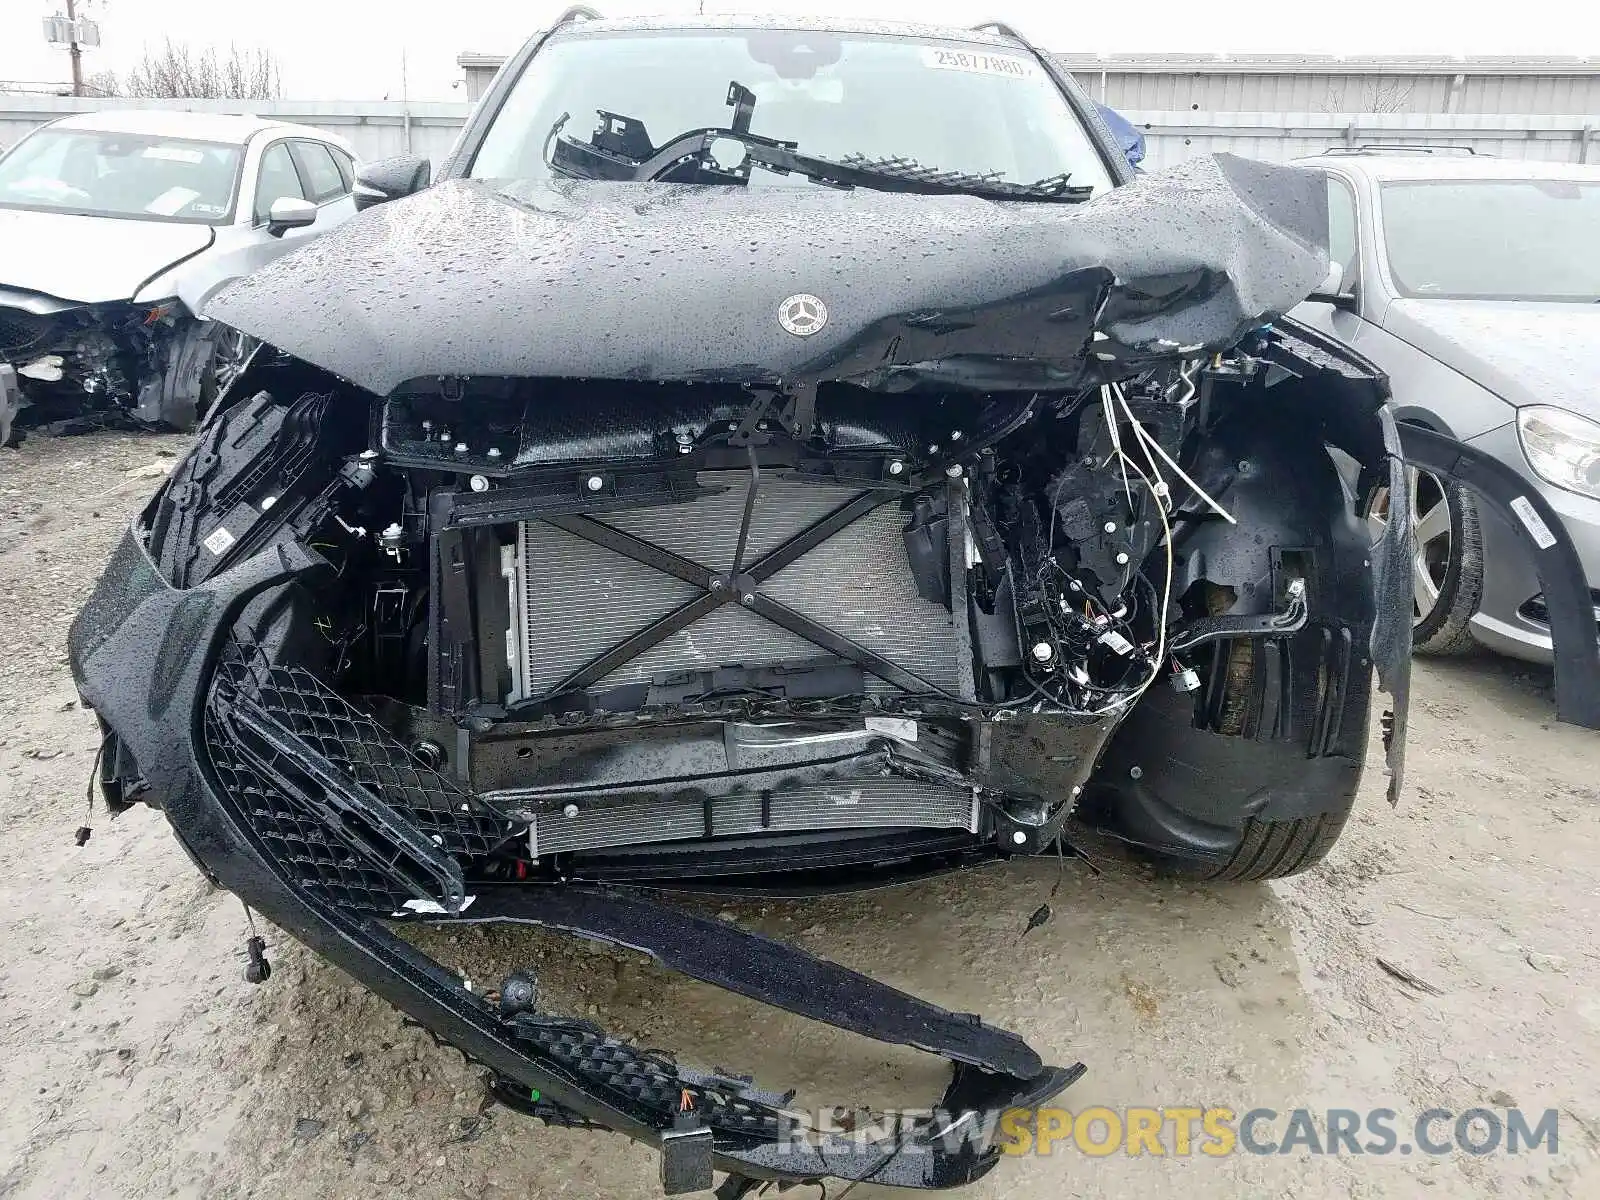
column 990, row 183
column 883, row 175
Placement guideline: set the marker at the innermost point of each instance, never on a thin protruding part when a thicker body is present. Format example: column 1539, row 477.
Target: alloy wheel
column 1431, row 540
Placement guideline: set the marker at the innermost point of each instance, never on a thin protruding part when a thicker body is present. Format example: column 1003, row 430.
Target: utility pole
column 74, row 51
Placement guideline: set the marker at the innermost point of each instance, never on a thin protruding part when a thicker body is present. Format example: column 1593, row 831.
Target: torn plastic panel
column 1013, row 294
column 1566, row 591
column 155, row 703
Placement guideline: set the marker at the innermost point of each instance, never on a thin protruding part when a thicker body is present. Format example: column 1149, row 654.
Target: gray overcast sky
column 330, row 49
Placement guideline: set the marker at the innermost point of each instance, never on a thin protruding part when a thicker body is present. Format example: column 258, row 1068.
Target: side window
column 277, row 179
column 347, row 168
column 1343, row 245
column 317, row 168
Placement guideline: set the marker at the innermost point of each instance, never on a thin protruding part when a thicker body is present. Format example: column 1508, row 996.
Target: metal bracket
column 1211, row 629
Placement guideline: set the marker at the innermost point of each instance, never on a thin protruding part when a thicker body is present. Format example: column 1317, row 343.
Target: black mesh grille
column 354, row 744
column 24, row 331
column 648, row 1079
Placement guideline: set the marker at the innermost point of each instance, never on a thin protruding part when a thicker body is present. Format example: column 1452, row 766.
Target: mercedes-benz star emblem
column 802, row 315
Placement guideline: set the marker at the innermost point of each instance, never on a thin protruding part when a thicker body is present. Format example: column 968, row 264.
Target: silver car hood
column 1522, row 351
column 90, row 259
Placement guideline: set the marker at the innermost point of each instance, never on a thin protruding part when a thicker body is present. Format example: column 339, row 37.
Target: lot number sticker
column 978, row 63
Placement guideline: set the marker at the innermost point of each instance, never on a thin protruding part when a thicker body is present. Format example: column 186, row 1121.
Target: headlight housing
column 1561, row 447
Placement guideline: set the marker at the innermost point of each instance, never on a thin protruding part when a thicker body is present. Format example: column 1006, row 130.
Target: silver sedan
column 1475, row 284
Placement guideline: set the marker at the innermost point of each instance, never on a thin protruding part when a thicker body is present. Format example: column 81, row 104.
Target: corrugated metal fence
column 1171, row 137
column 381, row 128
column 375, row 128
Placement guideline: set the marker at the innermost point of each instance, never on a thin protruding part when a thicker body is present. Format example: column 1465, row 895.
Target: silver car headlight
column 1561, row 447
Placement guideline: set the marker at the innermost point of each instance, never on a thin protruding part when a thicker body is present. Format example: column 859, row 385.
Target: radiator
column 579, row 600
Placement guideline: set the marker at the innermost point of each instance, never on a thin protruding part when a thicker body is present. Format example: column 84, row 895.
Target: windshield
column 1494, row 239
column 949, row 106
column 94, row 174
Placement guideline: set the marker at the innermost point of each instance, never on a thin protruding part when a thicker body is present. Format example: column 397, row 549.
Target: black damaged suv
column 769, row 456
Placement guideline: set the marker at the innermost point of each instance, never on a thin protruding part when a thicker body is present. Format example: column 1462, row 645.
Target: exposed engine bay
column 660, row 631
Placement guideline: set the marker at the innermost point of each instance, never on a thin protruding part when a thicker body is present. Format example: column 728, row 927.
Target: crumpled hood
column 90, row 259
column 1523, row 352
column 669, row 281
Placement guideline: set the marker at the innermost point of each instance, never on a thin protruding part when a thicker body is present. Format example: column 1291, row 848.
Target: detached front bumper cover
column 303, row 806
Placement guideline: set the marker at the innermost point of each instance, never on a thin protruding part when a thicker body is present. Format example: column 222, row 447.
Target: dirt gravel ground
column 136, row 1062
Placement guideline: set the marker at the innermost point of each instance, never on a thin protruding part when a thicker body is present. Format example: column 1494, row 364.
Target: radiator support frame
column 467, row 680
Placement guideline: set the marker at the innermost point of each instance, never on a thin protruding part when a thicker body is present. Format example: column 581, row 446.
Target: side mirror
column 290, row 212
column 1332, row 290
column 390, row 179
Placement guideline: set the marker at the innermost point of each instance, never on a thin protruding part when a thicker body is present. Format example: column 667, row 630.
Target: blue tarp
column 1128, row 135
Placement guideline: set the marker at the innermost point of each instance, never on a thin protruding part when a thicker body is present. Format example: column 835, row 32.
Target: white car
column 117, row 227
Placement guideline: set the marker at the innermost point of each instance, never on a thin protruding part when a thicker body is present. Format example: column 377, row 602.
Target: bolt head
column 953, row 471
column 1019, row 838
column 570, row 811
column 1110, row 526
column 1135, row 772
column 897, row 467
column 461, row 447
column 955, row 435
column 717, row 585
column 478, row 483
column 1122, row 560
column 594, row 483
column 494, row 452
column 748, row 598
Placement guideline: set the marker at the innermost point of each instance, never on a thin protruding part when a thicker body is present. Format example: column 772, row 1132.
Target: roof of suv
column 805, row 24
column 1450, row 166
